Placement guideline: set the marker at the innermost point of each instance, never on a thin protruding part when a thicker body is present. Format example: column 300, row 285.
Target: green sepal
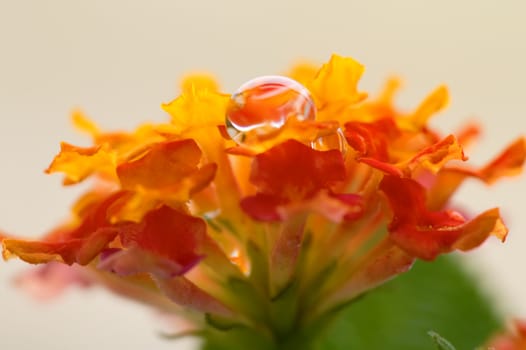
column 283, row 310
column 220, row 323
column 259, row 267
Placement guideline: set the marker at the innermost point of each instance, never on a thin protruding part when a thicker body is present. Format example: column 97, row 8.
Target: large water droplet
column 261, row 106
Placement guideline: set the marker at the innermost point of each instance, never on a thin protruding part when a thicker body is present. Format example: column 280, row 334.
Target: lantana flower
column 271, row 207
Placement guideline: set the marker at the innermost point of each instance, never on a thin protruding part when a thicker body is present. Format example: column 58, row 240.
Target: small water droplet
column 333, row 140
column 261, row 106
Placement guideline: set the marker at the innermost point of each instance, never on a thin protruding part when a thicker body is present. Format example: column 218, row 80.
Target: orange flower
column 307, row 187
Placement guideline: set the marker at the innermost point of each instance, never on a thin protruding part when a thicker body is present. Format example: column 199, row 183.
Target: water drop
column 333, row 140
column 261, row 106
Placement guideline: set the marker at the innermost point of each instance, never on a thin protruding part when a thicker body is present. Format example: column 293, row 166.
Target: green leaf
column 439, row 296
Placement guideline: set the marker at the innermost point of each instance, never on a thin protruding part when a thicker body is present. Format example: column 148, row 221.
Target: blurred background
column 119, row 60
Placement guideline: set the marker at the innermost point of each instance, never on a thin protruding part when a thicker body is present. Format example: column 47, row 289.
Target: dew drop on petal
column 263, row 105
column 334, row 140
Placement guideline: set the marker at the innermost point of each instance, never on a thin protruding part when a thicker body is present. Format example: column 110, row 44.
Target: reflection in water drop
column 263, row 105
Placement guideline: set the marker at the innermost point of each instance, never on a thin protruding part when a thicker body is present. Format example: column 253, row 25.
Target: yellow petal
column 303, row 72
column 198, row 106
column 199, row 81
column 337, row 81
column 84, row 124
column 431, row 105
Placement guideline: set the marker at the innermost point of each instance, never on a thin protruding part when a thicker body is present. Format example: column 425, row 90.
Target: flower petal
column 49, row 280
column 475, row 232
column 263, row 207
column 425, row 233
column 198, row 106
column 303, row 72
column 508, row 163
column 382, row 145
column 73, row 250
column 134, row 261
column 337, row 81
column 79, row 244
column 435, row 156
column 294, row 171
column 432, row 104
column 84, row 124
column 77, row 163
column 371, row 140
column 183, row 292
column 169, row 234
column 167, row 168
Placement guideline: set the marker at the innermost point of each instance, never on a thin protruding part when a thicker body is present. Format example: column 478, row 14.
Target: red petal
column 294, row 171
column 80, row 244
column 425, row 233
column 262, row 207
column 370, row 140
column 169, row 234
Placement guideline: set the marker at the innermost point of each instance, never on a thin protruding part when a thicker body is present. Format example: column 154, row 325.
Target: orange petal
column 475, row 232
column 77, row 163
column 435, row 156
column 468, row 133
column 69, row 251
column 508, row 163
column 169, row 169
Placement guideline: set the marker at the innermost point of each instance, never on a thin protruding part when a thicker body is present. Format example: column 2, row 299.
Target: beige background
column 120, row 59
